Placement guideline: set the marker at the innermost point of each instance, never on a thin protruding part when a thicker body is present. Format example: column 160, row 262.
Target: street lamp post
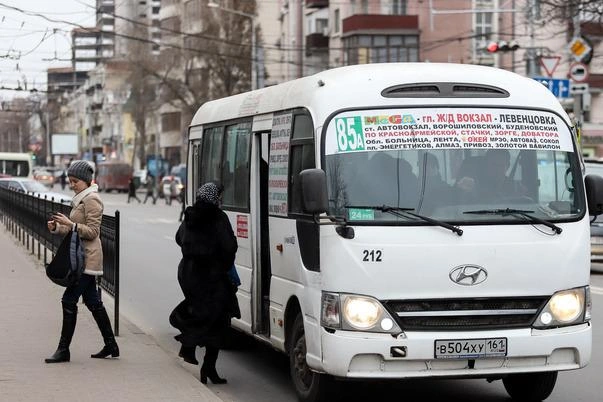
column 251, row 17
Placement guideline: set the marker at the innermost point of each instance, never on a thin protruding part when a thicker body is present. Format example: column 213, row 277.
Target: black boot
column 188, row 354
column 102, row 320
column 69, row 319
column 208, row 370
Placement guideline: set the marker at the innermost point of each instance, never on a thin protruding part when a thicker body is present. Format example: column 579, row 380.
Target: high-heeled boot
column 62, row 353
column 102, row 320
column 188, row 354
column 208, row 370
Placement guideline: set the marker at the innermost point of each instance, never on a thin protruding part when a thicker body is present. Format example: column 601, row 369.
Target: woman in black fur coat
column 208, row 247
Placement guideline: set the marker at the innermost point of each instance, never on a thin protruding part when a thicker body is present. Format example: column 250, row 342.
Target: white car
column 34, row 187
column 596, row 226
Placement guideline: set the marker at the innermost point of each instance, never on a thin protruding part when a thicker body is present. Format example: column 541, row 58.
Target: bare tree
column 564, row 11
column 209, row 64
column 142, row 89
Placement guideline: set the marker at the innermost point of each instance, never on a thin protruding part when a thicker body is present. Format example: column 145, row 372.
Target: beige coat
column 87, row 212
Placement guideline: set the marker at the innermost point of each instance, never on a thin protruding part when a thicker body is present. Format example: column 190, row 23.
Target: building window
column 336, row 21
column 398, row 7
column 321, row 25
column 483, row 26
column 170, row 122
column 364, row 6
column 364, row 49
column 192, row 14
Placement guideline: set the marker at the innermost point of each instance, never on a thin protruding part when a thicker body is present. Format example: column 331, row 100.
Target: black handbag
column 67, row 266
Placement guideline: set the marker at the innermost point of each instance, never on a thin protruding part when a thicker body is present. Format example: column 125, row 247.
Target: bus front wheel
column 530, row 386
column 309, row 385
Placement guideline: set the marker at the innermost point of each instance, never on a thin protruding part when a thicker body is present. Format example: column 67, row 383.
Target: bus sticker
column 279, row 164
column 447, row 128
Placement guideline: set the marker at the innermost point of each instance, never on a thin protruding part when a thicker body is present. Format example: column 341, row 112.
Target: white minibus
column 404, row 221
column 16, row 164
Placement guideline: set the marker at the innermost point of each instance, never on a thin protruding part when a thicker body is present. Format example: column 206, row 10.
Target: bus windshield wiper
column 517, row 212
column 400, row 211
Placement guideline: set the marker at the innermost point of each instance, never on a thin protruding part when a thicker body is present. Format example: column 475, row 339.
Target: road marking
column 596, row 290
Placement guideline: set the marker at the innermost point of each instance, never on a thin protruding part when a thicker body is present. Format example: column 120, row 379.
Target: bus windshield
column 450, row 172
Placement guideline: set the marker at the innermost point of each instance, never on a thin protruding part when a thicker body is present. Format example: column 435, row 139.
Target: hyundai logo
column 468, row 275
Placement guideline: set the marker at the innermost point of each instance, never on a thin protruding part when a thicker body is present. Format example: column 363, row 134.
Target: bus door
column 261, row 247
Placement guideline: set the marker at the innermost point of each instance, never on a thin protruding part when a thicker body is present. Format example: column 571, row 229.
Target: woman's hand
column 52, row 225
column 62, row 219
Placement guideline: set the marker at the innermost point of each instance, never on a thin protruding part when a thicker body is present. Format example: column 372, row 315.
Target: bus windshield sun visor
column 402, row 212
column 517, row 213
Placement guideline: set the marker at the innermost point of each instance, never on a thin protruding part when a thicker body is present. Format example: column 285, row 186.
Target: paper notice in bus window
column 278, row 164
column 447, row 128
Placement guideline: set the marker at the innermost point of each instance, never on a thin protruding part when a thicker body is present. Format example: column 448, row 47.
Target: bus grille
column 465, row 314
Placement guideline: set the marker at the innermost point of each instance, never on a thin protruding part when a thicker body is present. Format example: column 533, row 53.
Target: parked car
column 596, row 227
column 166, row 186
column 34, row 187
column 44, row 176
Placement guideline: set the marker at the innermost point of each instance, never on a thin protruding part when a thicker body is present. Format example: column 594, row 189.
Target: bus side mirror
column 594, row 194
column 314, row 190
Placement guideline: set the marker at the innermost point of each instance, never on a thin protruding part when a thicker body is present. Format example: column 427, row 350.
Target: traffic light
column 502, row 46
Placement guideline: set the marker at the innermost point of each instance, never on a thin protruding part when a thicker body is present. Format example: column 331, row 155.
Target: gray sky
column 30, row 44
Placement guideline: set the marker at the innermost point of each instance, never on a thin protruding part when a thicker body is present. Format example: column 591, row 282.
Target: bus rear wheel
column 309, row 385
column 530, row 386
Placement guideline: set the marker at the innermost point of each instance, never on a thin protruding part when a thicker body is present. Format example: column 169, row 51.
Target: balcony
column 317, row 3
column 378, row 23
column 316, row 41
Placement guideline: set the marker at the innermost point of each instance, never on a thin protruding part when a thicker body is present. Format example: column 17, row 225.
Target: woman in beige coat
column 85, row 217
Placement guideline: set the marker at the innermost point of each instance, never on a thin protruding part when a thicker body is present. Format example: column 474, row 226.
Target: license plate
column 470, row 348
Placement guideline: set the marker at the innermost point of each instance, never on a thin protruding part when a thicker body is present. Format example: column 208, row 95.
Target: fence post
column 116, row 264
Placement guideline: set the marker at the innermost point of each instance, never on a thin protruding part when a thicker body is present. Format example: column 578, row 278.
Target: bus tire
column 530, row 386
column 309, row 385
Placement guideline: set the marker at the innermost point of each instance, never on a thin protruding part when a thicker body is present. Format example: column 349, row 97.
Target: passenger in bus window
column 208, row 246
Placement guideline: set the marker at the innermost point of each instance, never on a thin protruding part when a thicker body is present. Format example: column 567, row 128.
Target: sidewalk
column 30, row 322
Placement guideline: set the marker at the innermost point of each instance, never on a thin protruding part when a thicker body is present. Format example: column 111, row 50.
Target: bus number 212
column 372, row 255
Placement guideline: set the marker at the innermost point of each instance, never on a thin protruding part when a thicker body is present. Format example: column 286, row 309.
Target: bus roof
column 21, row 156
column 360, row 86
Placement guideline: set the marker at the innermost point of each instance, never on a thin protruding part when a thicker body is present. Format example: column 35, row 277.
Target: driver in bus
column 491, row 180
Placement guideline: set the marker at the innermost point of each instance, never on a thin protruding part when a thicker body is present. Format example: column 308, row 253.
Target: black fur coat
column 208, row 247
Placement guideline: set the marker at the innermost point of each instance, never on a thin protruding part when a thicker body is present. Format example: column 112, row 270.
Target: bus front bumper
column 369, row 355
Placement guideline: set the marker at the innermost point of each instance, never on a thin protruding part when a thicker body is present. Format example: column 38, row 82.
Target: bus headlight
column 566, row 307
column 355, row 313
column 361, row 312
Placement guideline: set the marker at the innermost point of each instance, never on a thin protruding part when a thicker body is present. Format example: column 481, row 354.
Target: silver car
column 34, row 187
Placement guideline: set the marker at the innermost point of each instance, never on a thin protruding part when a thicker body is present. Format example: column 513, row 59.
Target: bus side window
column 302, row 157
column 235, row 166
column 211, row 154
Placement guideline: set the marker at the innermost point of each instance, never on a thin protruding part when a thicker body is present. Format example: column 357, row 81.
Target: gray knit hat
column 81, row 170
